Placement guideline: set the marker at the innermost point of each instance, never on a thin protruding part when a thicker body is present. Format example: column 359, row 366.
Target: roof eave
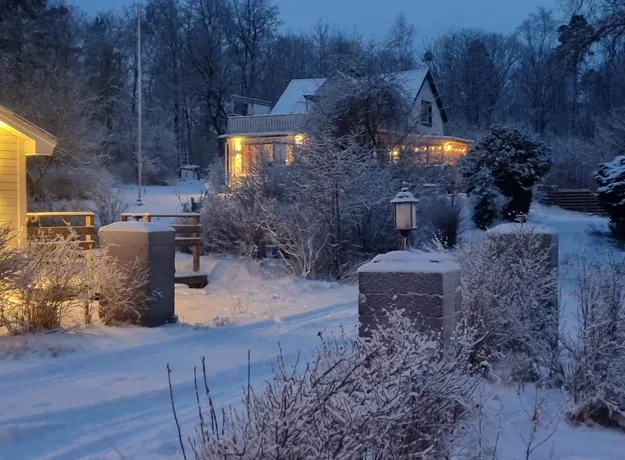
column 39, row 141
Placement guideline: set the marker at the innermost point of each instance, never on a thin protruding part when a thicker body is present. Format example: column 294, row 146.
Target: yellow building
column 18, row 139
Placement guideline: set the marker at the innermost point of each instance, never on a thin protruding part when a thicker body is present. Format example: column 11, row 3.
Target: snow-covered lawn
column 102, row 393
column 163, row 200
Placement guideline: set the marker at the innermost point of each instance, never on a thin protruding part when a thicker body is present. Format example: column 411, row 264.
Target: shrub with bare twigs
column 400, row 394
column 508, row 296
column 58, row 285
column 595, row 368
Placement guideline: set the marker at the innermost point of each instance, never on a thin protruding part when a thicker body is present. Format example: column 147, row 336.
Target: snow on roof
column 142, row 227
column 410, row 81
column 410, row 261
column 293, row 98
column 522, row 227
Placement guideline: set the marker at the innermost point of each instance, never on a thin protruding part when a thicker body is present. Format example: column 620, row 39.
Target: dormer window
column 426, row 113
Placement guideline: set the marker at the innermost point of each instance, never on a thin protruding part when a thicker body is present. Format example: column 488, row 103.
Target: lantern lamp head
column 405, row 210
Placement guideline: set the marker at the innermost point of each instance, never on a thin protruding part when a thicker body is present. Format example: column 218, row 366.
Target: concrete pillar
column 524, row 240
column 153, row 244
column 425, row 285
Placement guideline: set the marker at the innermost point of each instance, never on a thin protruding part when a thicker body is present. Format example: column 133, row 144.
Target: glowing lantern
column 405, row 214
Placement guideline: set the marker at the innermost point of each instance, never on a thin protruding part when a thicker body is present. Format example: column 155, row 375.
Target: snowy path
column 88, row 404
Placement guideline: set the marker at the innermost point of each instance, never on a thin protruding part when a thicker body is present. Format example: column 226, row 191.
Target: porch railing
column 285, row 123
column 45, row 226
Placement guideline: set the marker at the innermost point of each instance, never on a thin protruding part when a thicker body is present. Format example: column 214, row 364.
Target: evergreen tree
column 486, row 199
column 611, row 193
column 516, row 162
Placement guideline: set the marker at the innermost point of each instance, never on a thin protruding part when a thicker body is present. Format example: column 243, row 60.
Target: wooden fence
column 45, row 226
column 187, row 234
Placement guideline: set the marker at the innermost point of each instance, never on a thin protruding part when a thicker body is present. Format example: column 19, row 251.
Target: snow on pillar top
column 137, row 227
column 411, row 261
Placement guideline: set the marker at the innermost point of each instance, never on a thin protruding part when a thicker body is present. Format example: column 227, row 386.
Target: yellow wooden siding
column 9, row 180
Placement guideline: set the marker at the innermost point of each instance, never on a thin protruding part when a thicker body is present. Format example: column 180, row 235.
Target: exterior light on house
column 405, row 215
column 449, row 147
column 394, row 155
column 299, row 139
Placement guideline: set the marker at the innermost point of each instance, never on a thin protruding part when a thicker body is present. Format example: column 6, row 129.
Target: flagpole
column 139, row 111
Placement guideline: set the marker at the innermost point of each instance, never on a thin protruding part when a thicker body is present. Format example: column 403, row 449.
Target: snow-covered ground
column 102, row 393
column 162, row 200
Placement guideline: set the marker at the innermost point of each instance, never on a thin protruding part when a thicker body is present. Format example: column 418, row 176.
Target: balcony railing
column 286, row 123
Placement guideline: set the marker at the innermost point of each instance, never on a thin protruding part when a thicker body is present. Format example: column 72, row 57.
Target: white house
column 276, row 134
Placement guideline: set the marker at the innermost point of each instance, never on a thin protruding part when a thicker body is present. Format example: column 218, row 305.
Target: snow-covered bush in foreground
column 400, row 394
column 610, row 179
column 595, row 369
column 508, row 297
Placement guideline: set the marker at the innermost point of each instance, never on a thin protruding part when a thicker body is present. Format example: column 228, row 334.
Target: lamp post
column 405, row 215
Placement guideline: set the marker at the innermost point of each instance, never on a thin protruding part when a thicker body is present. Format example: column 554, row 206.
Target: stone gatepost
column 153, row 245
column 425, row 285
column 522, row 241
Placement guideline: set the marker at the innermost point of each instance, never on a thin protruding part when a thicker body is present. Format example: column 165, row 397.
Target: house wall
column 426, row 94
column 12, row 208
column 258, row 109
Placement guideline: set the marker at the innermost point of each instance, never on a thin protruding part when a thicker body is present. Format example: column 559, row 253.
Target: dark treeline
column 75, row 75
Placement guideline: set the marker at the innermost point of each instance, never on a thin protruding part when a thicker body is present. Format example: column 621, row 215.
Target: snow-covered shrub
column 108, row 204
column 48, row 288
column 508, row 293
column 400, row 394
column 486, row 199
column 517, row 163
column 595, row 368
column 118, row 293
column 58, row 285
column 611, row 193
column 231, row 223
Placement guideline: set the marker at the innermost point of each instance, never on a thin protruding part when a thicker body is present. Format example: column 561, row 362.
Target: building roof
column 293, row 99
column 38, row 141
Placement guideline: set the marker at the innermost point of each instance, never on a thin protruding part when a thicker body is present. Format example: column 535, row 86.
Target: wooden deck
column 580, row 200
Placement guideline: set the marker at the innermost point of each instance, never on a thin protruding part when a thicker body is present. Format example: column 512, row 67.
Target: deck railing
column 194, row 241
column 45, row 226
column 286, row 123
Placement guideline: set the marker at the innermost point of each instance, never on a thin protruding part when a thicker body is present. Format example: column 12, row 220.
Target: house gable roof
column 293, row 99
column 37, row 141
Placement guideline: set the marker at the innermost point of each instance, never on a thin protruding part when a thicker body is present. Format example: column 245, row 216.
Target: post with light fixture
column 405, row 215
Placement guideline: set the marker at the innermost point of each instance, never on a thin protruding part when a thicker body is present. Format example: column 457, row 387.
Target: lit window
column 289, row 154
column 238, row 164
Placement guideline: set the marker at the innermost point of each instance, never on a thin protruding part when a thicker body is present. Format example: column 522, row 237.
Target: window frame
column 427, row 113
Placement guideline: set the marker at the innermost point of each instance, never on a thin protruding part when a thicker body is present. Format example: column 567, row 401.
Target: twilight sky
column 374, row 17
